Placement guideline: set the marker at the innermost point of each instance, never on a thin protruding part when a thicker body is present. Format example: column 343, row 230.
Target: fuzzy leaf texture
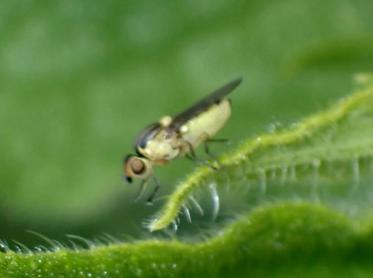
column 341, row 134
column 331, row 148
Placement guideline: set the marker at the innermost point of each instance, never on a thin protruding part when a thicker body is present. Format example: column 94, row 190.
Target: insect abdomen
column 206, row 124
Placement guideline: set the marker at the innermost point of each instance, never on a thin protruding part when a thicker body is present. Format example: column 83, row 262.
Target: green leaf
column 71, row 105
column 287, row 236
column 79, row 79
column 290, row 238
column 343, row 133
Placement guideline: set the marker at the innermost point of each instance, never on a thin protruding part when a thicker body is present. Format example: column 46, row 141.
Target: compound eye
column 138, row 166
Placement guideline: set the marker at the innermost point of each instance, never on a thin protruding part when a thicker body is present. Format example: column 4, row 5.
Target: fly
column 171, row 137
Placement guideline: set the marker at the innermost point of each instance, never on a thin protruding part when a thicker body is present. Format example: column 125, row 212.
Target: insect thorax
column 162, row 147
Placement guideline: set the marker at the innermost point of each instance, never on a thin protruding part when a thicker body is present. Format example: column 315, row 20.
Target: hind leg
column 191, row 155
column 207, row 143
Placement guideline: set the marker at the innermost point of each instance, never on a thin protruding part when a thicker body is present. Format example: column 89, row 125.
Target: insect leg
column 218, row 140
column 192, row 156
column 207, row 148
column 156, row 188
column 141, row 190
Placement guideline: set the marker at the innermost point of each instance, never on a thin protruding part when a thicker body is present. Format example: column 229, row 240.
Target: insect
column 171, row 137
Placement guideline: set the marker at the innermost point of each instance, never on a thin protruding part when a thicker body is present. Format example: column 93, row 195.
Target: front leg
column 141, row 190
column 154, row 193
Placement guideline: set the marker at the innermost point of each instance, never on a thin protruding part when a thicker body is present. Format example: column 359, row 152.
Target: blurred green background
column 80, row 79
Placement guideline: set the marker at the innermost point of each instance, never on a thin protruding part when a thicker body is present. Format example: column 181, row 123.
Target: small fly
column 172, row 137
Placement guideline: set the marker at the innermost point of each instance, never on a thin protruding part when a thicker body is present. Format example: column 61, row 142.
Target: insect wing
column 146, row 134
column 202, row 105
